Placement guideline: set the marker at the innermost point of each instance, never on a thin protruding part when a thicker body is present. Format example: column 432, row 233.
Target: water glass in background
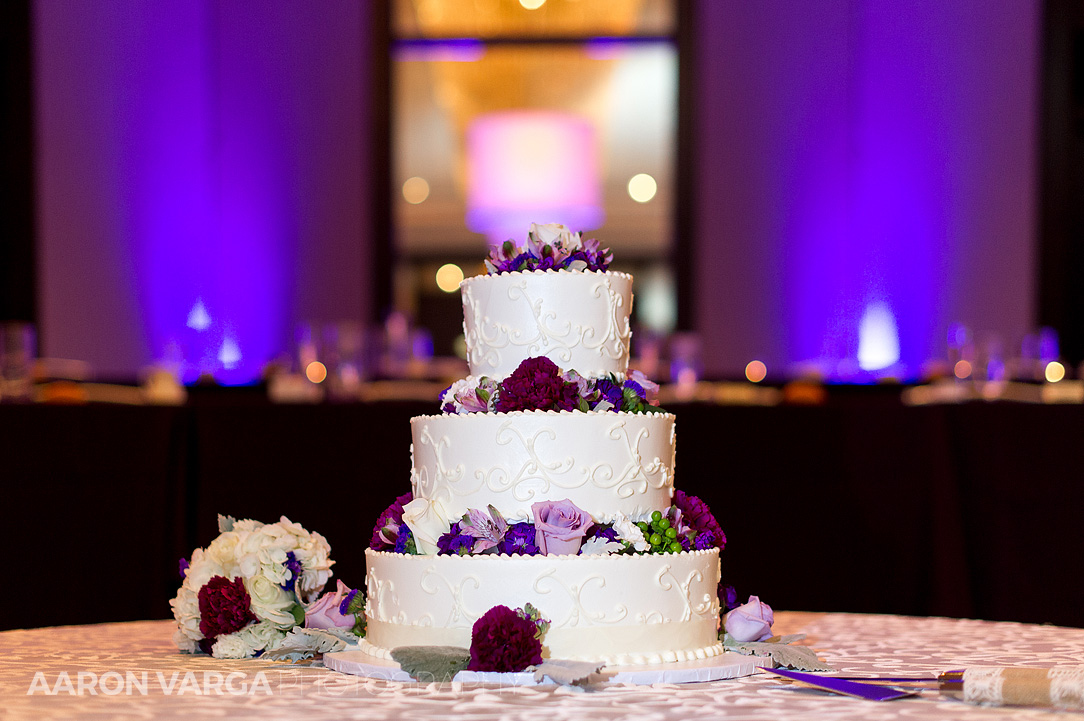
column 686, row 367
column 17, row 351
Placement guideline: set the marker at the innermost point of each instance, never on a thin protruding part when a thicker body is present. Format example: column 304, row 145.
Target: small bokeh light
column 642, row 187
column 532, row 4
column 962, row 369
column 316, row 372
column 1054, row 372
column 415, row 190
column 756, row 371
column 449, row 276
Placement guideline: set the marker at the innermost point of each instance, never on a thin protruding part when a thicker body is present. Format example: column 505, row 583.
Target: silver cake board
column 727, row 665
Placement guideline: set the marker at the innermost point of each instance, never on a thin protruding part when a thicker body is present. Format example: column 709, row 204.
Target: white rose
column 184, row 643
column 231, row 645
column 270, row 602
column 630, row 533
column 427, row 522
column 186, row 610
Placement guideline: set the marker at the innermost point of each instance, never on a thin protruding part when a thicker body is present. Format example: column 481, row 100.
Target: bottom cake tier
column 617, row 609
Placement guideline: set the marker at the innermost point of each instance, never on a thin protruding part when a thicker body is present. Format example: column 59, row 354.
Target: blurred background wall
column 205, row 179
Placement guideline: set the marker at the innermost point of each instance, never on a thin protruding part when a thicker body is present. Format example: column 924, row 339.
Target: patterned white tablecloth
column 132, row 671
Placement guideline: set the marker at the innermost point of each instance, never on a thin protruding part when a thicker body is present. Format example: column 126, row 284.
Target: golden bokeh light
column 532, row 4
column 415, row 190
column 756, row 371
column 1054, row 372
column 449, row 276
column 316, row 372
column 642, row 187
column 962, row 369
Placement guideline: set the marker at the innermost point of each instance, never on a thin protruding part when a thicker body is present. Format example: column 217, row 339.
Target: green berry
column 655, row 540
column 656, row 516
column 671, row 533
column 664, row 524
column 643, row 527
column 675, row 546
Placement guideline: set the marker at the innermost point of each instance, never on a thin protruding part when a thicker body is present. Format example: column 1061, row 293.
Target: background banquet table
column 853, row 644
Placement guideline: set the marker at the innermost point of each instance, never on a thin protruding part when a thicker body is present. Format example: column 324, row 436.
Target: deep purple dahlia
column 504, row 641
column 224, row 606
column 537, row 385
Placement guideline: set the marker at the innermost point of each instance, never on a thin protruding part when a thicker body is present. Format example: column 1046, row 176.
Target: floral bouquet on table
column 243, row 594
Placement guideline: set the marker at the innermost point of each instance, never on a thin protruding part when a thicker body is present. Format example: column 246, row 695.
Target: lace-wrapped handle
column 994, row 686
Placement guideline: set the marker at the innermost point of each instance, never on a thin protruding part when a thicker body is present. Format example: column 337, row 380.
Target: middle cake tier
column 604, row 462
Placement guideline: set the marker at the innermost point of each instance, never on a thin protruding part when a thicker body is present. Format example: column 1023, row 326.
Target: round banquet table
column 36, row 663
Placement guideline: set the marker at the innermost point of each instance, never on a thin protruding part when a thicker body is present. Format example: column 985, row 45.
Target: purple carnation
column 224, row 607
column 455, row 543
column 504, row 641
column 698, row 516
column 386, row 531
column 537, row 385
column 519, row 540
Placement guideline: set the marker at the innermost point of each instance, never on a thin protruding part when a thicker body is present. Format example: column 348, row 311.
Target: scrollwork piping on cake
column 458, row 610
column 685, row 589
column 578, row 612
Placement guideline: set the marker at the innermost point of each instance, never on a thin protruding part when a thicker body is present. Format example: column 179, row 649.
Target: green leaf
column 431, row 663
column 225, row 523
column 566, row 673
column 298, row 612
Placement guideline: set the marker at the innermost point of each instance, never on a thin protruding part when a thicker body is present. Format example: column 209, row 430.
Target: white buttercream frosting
column 577, row 319
column 618, row 610
column 604, row 462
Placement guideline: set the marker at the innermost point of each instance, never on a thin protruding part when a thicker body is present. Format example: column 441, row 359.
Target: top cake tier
column 577, row 319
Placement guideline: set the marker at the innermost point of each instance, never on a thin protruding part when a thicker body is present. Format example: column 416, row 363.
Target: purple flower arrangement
column 538, row 384
column 560, row 528
column 549, row 247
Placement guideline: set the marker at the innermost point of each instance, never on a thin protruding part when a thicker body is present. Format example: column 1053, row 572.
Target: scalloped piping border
column 490, row 557
column 634, row 659
column 600, row 414
column 562, row 271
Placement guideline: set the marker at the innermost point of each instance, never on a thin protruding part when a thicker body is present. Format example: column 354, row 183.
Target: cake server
column 989, row 685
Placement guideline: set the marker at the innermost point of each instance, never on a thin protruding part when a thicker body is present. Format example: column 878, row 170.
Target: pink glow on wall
column 525, row 167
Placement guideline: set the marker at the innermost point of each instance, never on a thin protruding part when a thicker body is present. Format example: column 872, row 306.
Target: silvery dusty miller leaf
column 566, row 673
column 225, row 523
column 431, row 663
column 302, row 643
column 799, row 658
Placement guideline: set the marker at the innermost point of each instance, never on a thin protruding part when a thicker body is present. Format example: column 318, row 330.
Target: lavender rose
column 327, row 611
column 750, row 622
column 559, row 527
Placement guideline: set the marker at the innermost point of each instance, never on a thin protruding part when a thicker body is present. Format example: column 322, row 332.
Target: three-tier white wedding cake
column 548, row 479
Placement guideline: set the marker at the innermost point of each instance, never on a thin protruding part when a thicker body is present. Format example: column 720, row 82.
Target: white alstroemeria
column 600, row 546
column 630, row 533
column 427, row 522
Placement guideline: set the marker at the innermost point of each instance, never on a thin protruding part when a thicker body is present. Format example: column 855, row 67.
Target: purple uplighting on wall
column 865, row 161
column 201, row 181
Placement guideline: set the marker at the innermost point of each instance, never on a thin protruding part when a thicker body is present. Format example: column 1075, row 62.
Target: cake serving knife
column 995, row 686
